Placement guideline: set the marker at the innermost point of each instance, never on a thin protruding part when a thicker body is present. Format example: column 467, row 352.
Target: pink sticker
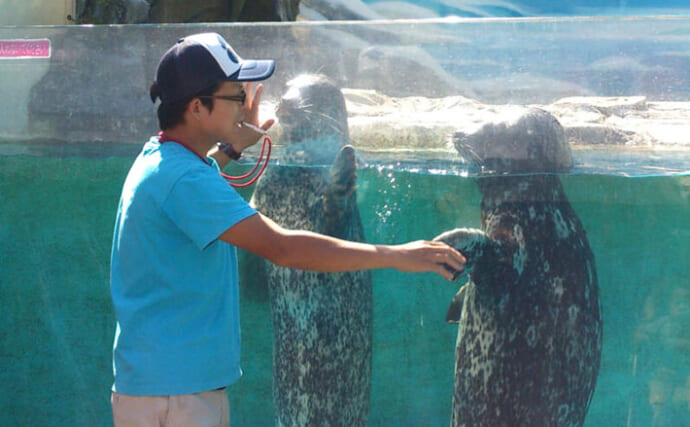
column 17, row 49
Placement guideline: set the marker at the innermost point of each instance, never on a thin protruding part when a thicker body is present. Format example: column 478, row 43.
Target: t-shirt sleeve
column 203, row 205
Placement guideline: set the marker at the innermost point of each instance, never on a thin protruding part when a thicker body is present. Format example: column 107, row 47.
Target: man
column 174, row 279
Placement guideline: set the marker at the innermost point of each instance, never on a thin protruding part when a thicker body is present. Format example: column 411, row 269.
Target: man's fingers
column 450, row 260
column 450, row 255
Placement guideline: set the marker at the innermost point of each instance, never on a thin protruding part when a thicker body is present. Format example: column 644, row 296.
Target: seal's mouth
column 483, row 164
column 302, row 121
column 475, row 162
column 319, row 151
column 469, row 155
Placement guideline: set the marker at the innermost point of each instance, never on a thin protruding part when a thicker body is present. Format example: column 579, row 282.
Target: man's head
column 196, row 66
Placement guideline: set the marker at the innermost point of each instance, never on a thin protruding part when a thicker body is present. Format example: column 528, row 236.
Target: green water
column 57, row 323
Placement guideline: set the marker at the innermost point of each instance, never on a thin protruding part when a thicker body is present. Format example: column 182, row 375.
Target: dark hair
column 172, row 114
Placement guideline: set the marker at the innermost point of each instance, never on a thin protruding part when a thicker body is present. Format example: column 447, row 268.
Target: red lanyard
column 266, row 147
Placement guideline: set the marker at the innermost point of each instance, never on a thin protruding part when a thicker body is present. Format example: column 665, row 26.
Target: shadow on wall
column 83, row 95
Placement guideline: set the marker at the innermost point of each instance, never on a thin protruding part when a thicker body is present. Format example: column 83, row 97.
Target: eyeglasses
column 237, row 98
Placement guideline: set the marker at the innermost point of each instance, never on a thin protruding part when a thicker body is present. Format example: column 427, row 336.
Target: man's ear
column 195, row 104
column 194, row 108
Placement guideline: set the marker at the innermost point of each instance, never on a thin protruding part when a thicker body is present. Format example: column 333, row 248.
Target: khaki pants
column 207, row 409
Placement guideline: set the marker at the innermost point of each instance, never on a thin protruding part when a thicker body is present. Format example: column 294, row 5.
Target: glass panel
column 72, row 123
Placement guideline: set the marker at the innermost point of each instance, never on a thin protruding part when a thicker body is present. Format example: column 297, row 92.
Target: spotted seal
column 529, row 320
column 322, row 323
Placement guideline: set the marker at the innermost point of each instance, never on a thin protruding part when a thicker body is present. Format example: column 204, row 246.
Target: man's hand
column 437, row 257
column 244, row 136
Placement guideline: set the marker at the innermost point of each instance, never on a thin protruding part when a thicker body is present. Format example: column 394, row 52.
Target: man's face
column 227, row 113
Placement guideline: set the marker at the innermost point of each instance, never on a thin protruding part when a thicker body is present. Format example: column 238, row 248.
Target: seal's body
column 529, row 337
column 322, row 323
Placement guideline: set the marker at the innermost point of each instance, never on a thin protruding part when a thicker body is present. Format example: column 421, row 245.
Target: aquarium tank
column 76, row 112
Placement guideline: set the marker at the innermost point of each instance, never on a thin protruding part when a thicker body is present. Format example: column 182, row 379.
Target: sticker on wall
column 24, row 49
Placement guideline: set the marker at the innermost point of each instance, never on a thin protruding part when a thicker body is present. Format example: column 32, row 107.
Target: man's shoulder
column 158, row 167
column 172, row 161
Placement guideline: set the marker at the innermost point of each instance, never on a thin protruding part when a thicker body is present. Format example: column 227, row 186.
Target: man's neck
column 190, row 138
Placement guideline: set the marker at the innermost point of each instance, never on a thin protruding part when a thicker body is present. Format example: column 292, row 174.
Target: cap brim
column 254, row 70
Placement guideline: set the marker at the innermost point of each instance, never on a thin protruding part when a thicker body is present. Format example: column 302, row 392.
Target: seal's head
column 531, row 142
column 311, row 108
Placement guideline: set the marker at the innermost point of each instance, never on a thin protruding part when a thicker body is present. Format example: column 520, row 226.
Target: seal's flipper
column 455, row 308
column 340, row 201
column 343, row 172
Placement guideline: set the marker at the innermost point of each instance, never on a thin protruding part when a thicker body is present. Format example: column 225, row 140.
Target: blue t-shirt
column 174, row 284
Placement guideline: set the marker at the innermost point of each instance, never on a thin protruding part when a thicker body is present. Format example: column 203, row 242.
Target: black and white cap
column 199, row 61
